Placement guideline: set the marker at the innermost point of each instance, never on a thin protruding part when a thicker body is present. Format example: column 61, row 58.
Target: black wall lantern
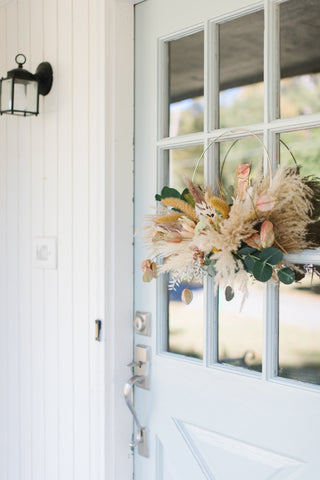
column 19, row 92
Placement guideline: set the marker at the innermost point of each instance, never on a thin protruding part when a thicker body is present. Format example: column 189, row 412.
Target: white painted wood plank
column 24, row 255
column 49, row 113
column 80, row 240
column 37, row 221
column 3, row 261
column 65, row 239
column 13, row 339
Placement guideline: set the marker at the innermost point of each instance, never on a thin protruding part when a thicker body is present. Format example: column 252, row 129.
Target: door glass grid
column 247, row 358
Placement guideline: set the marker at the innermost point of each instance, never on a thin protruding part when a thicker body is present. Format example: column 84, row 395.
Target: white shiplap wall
column 52, row 185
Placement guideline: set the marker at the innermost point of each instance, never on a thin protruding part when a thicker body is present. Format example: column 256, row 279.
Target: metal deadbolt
column 142, row 323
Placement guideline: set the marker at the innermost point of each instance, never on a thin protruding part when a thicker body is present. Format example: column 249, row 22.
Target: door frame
column 119, row 152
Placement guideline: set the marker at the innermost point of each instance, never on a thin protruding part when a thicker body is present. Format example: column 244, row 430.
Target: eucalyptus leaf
column 168, row 192
column 262, row 271
column 271, row 255
column 286, row 275
column 249, row 263
column 246, row 250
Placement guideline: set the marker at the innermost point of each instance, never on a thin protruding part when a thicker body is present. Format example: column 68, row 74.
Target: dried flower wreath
column 196, row 233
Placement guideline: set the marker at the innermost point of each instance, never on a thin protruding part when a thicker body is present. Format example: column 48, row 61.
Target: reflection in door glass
column 241, row 70
column 186, row 83
column 240, row 329
column 299, row 328
column 299, row 57
column 185, row 322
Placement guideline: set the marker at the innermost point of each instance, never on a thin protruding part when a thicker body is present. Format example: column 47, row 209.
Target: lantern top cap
column 20, row 73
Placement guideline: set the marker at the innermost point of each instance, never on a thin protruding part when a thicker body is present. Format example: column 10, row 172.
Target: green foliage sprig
column 262, row 264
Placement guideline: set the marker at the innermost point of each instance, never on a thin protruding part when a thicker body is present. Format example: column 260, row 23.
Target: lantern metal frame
column 43, row 77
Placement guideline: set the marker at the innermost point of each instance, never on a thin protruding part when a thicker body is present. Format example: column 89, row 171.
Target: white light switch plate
column 44, row 252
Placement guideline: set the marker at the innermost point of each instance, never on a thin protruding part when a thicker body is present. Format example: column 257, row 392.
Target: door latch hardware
column 141, row 366
column 142, row 323
column 98, row 330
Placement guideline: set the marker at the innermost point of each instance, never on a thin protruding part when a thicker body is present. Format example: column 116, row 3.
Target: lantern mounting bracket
column 44, row 76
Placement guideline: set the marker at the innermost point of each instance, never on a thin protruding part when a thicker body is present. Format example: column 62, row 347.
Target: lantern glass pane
column 25, row 96
column 6, row 87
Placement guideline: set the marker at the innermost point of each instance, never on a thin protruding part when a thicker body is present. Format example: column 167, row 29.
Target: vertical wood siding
column 51, row 185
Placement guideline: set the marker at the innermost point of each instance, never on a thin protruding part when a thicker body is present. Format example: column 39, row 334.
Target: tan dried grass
column 181, row 205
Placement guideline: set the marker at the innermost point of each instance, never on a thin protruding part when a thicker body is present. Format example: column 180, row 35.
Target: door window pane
column 299, row 57
column 304, row 145
column 241, row 70
column 186, row 83
column 185, row 322
column 233, row 153
column 299, row 327
column 240, row 329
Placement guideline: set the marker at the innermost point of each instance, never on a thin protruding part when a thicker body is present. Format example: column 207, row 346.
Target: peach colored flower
column 173, row 237
column 243, row 171
column 149, row 270
column 267, row 234
column 254, row 241
column 265, row 203
column 242, row 189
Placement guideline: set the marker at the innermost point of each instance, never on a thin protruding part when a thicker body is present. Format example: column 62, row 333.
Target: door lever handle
column 141, row 438
column 136, row 364
column 127, row 396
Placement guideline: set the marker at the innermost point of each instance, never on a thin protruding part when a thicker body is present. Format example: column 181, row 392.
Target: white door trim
column 119, row 69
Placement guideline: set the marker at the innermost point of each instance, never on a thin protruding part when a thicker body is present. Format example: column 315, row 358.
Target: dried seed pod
column 147, row 276
column 229, row 293
column 186, row 296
